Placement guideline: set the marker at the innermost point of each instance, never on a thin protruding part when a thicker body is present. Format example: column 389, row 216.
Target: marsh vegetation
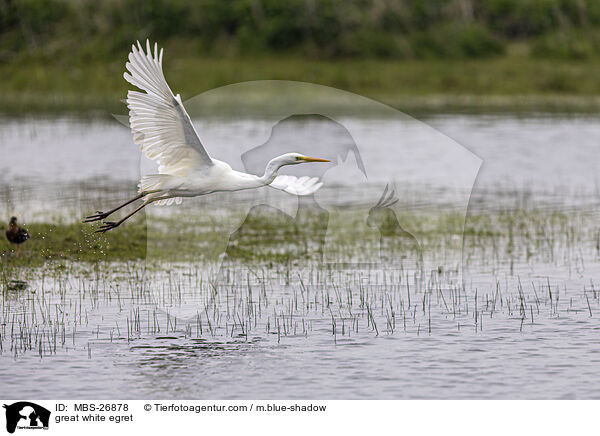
column 522, row 274
column 245, row 297
column 413, row 55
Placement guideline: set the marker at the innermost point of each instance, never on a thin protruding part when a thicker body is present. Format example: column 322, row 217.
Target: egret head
column 286, row 159
column 297, row 158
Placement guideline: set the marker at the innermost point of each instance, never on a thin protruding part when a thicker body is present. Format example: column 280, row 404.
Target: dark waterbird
column 16, row 235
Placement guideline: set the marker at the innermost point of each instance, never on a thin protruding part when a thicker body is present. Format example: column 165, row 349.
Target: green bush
column 316, row 28
column 567, row 45
column 453, row 41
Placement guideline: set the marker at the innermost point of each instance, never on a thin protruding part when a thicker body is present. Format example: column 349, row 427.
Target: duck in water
column 16, row 235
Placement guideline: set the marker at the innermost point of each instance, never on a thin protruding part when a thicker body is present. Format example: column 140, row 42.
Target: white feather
column 297, row 186
column 165, row 133
column 159, row 122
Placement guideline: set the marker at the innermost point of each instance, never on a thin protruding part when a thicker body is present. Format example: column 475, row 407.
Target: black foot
column 107, row 226
column 98, row 217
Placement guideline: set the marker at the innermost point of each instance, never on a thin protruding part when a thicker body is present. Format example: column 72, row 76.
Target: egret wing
column 296, row 185
column 159, row 122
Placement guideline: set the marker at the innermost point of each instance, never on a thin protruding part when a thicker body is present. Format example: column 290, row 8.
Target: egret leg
column 102, row 215
column 109, row 225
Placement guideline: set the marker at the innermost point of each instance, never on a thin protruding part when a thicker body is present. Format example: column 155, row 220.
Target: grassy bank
column 265, row 235
column 268, row 236
column 58, row 55
column 506, row 83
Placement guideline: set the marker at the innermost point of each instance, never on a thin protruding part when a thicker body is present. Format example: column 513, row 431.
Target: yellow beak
column 314, row 159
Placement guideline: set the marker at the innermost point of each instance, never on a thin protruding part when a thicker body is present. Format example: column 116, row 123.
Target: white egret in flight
column 165, row 133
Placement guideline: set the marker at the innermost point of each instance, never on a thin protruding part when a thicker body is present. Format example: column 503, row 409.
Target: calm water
column 521, row 322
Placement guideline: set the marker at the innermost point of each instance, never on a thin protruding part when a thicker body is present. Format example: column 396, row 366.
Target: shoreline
column 506, row 84
column 23, row 105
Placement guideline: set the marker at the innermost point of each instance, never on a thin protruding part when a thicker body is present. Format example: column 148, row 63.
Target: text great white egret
column 165, row 133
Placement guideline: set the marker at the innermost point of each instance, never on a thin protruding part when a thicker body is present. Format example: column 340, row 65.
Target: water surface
column 514, row 315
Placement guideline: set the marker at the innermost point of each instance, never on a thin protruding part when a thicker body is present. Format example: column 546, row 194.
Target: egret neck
column 272, row 168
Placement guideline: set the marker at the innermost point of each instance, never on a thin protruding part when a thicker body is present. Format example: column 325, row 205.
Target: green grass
column 76, row 242
column 272, row 237
column 510, row 82
column 265, row 236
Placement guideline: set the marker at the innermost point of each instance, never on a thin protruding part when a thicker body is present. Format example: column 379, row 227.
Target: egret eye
column 299, row 158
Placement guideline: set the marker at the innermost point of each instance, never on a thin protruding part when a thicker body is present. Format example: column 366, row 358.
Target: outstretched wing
column 297, row 186
column 159, row 122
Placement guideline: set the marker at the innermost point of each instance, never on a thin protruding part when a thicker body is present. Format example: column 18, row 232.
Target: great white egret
column 165, row 133
column 16, row 235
